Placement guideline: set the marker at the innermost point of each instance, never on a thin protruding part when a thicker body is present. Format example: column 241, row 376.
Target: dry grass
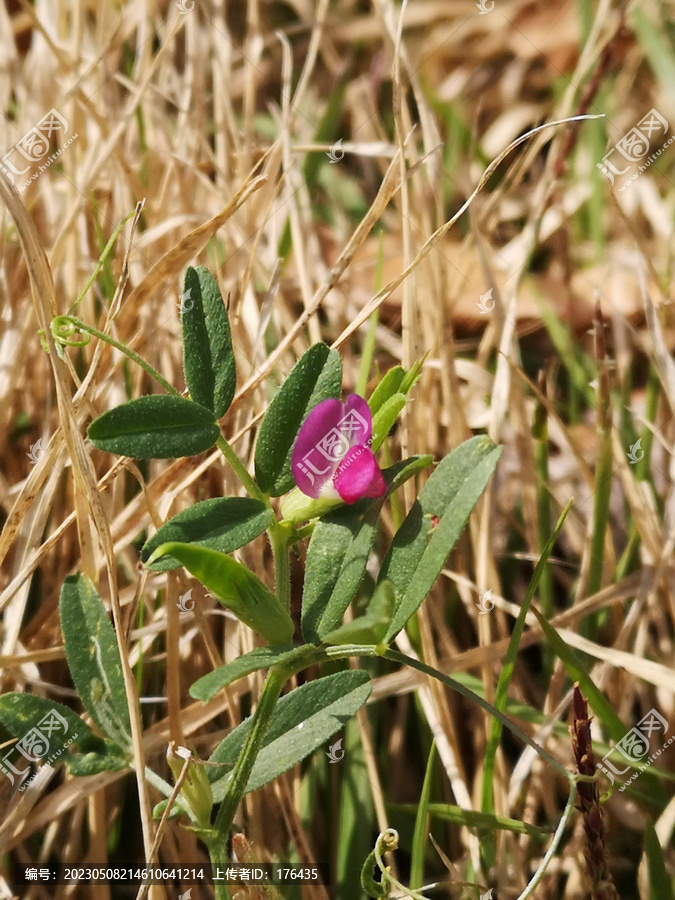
column 219, row 120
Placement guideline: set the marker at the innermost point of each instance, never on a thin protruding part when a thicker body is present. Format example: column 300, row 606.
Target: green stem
column 404, row 660
column 219, row 860
column 102, row 258
column 369, row 344
column 274, row 683
column 74, row 324
column 240, row 470
column 280, row 535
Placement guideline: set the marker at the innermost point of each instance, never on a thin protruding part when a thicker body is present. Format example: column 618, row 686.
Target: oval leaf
column 223, row 523
column 316, row 376
column 236, row 587
column 419, row 550
column 155, row 427
column 336, row 561
column 208, row 358
column 302, row 721
column 93, row 658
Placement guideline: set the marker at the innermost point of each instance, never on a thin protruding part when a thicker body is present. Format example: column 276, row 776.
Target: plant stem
column 276, row 679
column 219, row 860
column 280, row 535
column 402, row 659
column 240, row 470
column 102, row 258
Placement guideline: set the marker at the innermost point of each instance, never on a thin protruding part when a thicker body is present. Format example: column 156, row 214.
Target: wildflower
column 332, row 455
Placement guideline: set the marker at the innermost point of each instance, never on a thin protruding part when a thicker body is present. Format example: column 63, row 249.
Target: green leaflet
column 94, row 659
column 336, row 560
column 223, row 523
column 208, row 358
column 371, row 627
column 302, row 721
column 316, row 376
column 389, row 386
column 235, row 586
column 384, row 419
column 261, row 658
column 155, row 427
column 419, row 550
column 337, row 557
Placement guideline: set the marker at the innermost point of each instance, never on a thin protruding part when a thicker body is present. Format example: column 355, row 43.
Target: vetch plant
column 317, row 453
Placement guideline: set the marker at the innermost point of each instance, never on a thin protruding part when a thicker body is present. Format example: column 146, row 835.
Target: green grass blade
column 660, row 885
column 501, row 694
column 420, row 835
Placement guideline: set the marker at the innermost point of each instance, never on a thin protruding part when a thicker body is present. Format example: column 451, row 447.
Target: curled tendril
column 386, row 841
column 62, row 327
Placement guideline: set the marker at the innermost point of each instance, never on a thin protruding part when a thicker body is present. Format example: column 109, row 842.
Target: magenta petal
column 357, row 423
column 358, row 475
column 313, row 457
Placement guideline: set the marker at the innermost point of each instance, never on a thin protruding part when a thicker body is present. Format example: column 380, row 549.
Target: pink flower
column 332, row 455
